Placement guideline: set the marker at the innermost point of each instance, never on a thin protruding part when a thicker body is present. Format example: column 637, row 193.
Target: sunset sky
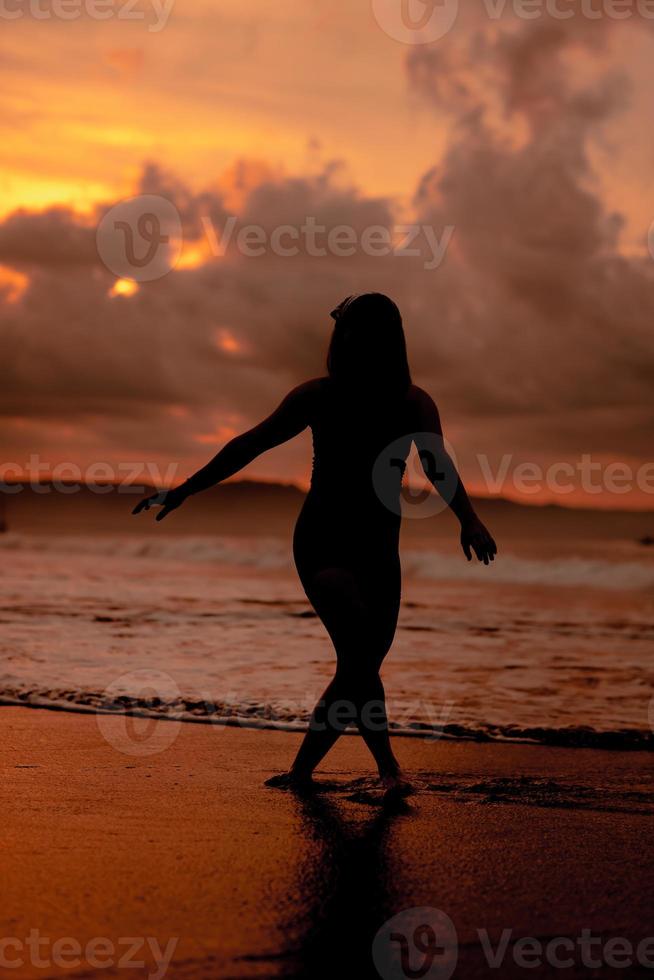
column 531, row 140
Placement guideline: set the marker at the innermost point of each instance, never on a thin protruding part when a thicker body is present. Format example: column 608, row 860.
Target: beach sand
column 186, row 844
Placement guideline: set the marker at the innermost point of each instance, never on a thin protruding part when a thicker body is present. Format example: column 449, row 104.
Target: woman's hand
column 475, row 536
column 168, row 500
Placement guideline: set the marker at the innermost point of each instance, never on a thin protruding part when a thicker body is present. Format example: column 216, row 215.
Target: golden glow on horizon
column 124, row 287
column 212, row 89
column 227, row 342
column 194, row 254
column 37, row 192
column 223, row 101
column 12, row 283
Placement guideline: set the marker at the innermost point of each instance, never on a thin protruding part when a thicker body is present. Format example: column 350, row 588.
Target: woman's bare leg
column 361, row 637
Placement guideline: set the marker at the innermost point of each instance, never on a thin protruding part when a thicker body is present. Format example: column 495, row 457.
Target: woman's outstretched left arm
column 443, row 475
column 288, row 420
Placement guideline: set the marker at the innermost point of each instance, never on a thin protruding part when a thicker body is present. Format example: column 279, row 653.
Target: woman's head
column 368, row 348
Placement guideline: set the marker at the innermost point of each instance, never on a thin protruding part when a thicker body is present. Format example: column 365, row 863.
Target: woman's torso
column 360, row 444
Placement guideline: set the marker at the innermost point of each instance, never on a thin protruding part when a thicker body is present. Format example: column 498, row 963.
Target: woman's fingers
column 481, row 553
column 155, row 499
column 143, row 505
column 481, row 543
column 484, row 548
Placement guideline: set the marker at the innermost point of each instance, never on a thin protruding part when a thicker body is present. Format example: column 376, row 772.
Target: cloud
column 80, row 361
column 534, row 335
column 557, row 314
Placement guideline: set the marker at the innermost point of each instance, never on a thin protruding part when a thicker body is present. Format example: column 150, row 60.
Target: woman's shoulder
column 421, row 409
column 309, row 396
column 310, row 391
column 307, row 389
column 319, row 384
column 418, row 397
column 416, row 394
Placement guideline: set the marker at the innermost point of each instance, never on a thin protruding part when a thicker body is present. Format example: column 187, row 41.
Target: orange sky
column 531, row 139
column 85, row 103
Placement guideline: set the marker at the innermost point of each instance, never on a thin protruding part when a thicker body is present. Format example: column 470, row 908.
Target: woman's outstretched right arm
column 287, row 421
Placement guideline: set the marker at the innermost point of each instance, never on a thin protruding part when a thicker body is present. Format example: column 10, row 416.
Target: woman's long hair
column 368, row 347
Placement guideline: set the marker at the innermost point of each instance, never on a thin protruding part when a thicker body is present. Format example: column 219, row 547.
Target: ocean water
column 555, row 648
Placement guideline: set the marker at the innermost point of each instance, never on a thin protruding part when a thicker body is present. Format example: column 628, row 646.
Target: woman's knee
column 358, row 677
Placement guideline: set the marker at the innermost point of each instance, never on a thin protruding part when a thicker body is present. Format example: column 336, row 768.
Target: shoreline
column 581, row 738
column 187, row 844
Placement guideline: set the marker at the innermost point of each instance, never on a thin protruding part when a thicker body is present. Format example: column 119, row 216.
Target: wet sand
column 187, row 845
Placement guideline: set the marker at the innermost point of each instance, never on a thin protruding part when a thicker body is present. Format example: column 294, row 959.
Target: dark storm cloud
column 534, row 334
column 560, row 318
column 72, row 349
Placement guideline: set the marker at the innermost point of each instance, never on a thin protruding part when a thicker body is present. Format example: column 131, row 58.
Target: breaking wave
column 253, row 714
column 275, row 553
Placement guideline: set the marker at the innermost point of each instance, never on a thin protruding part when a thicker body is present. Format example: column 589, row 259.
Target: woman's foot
column 294, row 781
column 396, row 786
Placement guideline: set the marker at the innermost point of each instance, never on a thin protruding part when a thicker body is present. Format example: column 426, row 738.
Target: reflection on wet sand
column 344, row 889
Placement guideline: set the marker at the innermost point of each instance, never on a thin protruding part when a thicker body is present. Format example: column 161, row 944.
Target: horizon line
column 144, row 487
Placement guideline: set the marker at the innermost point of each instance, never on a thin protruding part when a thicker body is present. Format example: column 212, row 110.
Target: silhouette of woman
column 346, row 540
